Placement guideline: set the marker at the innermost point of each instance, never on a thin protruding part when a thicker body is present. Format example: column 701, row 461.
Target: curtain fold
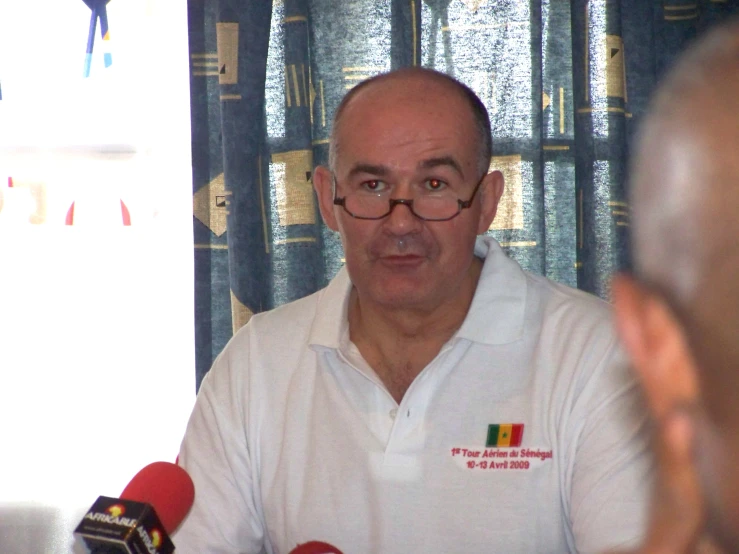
column 565, row 83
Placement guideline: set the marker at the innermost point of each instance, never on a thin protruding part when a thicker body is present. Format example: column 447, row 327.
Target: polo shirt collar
column 496, row 315
column 331, row 323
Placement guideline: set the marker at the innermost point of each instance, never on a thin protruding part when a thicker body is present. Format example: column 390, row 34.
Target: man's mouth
column 404, row 259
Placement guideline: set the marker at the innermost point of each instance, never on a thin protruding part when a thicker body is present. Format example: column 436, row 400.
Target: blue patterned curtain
column 565, row 83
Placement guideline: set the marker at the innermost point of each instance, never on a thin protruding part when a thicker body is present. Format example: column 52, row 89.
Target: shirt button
column 392, row 413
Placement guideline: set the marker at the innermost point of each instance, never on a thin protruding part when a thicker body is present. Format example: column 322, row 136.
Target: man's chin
column 398, row 298
column 406, row 285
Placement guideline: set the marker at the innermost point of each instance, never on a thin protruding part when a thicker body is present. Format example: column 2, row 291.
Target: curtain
column 565, row 83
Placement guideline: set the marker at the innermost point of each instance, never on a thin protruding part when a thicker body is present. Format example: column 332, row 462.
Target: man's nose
column 402, row 220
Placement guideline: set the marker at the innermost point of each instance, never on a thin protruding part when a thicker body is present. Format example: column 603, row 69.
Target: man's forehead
column 393, row 103
column 383, row 170
column 404, row 91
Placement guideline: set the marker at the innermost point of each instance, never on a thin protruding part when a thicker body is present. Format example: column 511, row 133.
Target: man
column 679, row 316
column 434, row 397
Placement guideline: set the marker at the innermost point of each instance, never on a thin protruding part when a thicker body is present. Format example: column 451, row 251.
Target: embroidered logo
column 504, row 435
column 502, row 451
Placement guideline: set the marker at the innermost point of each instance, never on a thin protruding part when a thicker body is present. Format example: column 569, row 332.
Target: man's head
column 405, row 135
column 679, row 317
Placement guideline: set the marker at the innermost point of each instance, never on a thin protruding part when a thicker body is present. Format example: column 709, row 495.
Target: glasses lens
column 436, row 207
column 367, row 205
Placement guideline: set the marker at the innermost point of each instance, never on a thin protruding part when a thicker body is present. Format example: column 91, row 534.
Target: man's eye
column 434, row 185
column 374, row 185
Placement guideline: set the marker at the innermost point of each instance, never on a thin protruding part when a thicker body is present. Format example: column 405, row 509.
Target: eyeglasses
column 431, row 206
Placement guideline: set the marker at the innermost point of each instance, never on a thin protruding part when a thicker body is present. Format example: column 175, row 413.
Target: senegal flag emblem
column 504, row 435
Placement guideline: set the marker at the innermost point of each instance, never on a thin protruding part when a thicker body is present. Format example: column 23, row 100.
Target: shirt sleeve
column 612, row 465
column 224, row 518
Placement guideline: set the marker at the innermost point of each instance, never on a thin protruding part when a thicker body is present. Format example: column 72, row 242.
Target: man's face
column 675, row 383
column 407, row 136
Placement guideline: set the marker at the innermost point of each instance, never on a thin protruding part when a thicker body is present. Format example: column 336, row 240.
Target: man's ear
column 656, row 344
column 323, row 183
column 492, row 187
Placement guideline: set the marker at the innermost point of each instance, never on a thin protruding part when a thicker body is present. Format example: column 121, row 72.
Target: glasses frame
column 392, row 202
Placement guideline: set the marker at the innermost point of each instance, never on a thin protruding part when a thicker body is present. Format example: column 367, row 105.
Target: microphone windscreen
column 167, row 487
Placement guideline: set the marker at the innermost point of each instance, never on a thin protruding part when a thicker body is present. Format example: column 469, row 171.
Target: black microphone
column 150, row 508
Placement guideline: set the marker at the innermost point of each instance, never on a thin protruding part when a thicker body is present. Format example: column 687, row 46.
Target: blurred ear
column 657, row 348
column 492, row 187
column 322, row 182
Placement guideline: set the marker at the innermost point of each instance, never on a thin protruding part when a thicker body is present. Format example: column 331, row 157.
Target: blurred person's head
column 679, row 314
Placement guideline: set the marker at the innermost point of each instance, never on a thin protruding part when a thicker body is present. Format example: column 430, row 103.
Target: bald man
column 434, row 397
column 679, row 315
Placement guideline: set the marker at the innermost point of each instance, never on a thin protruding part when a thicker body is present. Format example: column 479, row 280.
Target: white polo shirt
column 525, row 434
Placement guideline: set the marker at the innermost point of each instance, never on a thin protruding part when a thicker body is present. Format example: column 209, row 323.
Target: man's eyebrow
column 441, row 161
column 379, row 170
column 384, row 171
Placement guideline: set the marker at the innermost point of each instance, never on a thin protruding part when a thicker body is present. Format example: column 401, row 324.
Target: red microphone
column 150, row 508
column 167, row 487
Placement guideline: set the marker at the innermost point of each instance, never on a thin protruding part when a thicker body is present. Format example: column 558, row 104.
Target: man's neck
column 399, row 342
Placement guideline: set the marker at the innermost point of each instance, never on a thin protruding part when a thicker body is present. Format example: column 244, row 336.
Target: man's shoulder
column 569, row 319
column 511, row 303
column 576, row 331
column 291, row 320
column 520, row 286
column 268, row 338
column 558, row 297
column 307, row 316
